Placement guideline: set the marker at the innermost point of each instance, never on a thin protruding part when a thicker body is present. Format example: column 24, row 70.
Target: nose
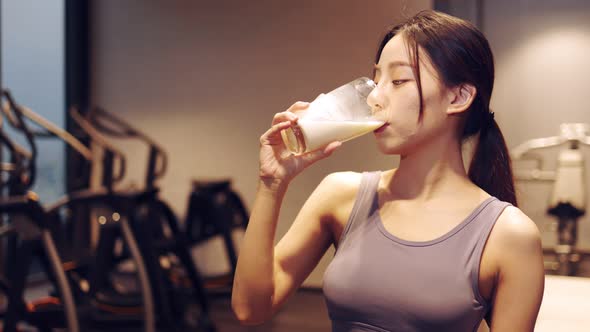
column 374, row 99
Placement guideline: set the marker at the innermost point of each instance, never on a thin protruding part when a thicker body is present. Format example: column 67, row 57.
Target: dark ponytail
column 491, row 168
column 461, row 55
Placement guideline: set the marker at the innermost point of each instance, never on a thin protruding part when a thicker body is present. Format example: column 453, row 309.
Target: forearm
column 254, row 279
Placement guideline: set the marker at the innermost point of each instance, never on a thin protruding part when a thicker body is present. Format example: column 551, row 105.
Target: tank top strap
column 489, row 217
column 364, row 204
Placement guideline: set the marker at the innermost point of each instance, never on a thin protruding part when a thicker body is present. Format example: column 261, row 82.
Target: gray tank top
column 379, row 282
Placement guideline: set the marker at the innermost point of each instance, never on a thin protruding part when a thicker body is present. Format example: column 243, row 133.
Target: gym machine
column 568, row 199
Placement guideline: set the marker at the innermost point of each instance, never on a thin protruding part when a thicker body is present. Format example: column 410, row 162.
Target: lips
column 381, row 129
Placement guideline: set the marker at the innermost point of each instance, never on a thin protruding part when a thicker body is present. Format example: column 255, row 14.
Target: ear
column 461, row 98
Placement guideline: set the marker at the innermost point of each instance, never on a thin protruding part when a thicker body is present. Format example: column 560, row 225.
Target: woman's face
column 396, row 100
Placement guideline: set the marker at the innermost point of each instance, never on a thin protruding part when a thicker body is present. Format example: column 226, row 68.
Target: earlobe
column 461, row 98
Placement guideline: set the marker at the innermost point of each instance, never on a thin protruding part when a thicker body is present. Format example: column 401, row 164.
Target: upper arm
column 521, row 275
column 300, row 249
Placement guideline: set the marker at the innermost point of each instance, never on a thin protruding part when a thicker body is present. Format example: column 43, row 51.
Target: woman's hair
column 461, row 54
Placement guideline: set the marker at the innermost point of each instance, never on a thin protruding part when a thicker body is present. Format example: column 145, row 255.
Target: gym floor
column 305, row 311
column 564, row 299
column 564, row 308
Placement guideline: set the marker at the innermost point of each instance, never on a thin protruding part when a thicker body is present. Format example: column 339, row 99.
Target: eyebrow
column 393, row 64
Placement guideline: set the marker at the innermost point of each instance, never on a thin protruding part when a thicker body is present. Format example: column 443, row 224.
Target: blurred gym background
column 202, row 80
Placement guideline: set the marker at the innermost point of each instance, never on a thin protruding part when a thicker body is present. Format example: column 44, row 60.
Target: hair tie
column 489, row 118
column 487, row 122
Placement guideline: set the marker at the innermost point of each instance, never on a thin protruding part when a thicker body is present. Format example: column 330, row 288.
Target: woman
column 424, row 247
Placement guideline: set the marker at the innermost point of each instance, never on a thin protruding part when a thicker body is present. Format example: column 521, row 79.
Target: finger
column 312, row 157
column 285, row 116
column 330, row 148
column 298, row 106
column 289, row 114
column 274, row 130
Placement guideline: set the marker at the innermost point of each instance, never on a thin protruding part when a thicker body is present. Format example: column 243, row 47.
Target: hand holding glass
column 340, row 115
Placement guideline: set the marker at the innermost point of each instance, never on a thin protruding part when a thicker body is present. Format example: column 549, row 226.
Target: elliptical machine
column 88, row 266
column 568, row 198
column 214, row 208
column 177, row 281
column 26, row 234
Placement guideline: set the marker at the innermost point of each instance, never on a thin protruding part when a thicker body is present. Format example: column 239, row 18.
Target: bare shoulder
column 516, row 238
column 515, row 228
column 337, row 193
column 342, row 183
column 520, row 275
column 338, row 188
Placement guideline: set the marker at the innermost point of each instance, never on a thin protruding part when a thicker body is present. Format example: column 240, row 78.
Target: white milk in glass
column 320, row 133
column 341, row 115
column 315, row 134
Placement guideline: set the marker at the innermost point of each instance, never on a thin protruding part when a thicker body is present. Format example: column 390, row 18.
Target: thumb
column 312, row 157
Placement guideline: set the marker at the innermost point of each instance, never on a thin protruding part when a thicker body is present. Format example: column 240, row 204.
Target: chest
column 373, row 279
column 426, row 226
column 422, row 223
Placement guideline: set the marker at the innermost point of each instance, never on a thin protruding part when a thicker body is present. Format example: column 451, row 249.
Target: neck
column 433, row 170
